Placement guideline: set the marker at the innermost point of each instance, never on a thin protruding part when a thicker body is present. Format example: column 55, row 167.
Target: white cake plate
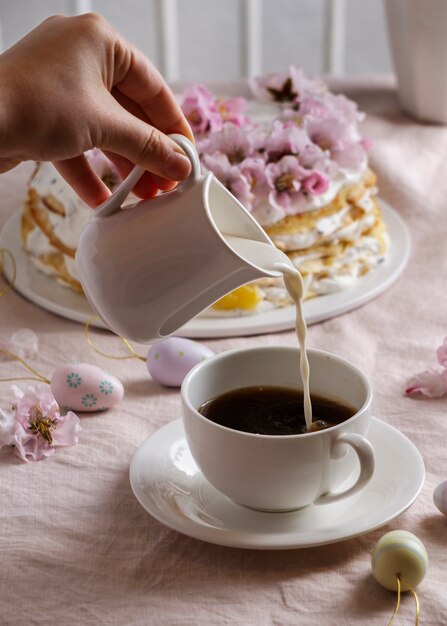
column 50, row 295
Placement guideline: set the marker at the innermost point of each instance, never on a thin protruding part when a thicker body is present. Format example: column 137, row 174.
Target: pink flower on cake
column 315, row 183
column 35, row 426
column 351, row 158
column 230, row 176
column 333, row 137
column 284, row 179
column 284, row 140
column 253, row 169
column 232, row 141
column 328, row 134
column 366, row 143
column 340, row 107
column 285, row 88
column 200, row 109
column 431, row 382
column 233, row 110
column 314, row 107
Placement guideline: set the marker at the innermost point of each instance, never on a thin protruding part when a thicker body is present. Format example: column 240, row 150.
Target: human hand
column 74, row 83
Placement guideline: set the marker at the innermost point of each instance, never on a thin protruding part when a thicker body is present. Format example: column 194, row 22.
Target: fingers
column 139, row 142
column 149, row 185
column 79, row 174
column 137, row 78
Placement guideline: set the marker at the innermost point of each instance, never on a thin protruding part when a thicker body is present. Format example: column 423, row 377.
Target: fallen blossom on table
column 24, row 343
column 34, row 425
column 431, row 382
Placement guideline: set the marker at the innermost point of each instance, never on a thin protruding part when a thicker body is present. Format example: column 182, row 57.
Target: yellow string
column 132, row 355
column 397, row 603
column 131, row 350
column 416, row 600
column 4, row 252
column 16, row 357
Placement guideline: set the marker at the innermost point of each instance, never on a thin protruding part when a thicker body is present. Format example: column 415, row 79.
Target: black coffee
column 273, row 411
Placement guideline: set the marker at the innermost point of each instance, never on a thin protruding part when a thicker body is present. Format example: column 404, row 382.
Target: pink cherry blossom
column 441, row 353
column 431, row 383
column 232, row 141
column 284, row 140
column 285, row 88
column 201, row 110
column 253, row 170
column 312, row 107
column 230, row 176
column 328, row 134
column 35, row 426
column 351, row 158
column 23, row 342
column 340, row 107
column 284, row 179
column 234, row 110
column 315, row 183
column 366, row 143
column 333, row 138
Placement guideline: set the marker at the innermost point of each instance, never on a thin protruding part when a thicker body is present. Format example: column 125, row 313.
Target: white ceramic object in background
column 418, row 39
column 150, row 268
column 277, row 473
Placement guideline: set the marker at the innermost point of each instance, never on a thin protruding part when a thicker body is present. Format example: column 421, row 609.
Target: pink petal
column 429, row 383
column 441, row 353
column 67, row 430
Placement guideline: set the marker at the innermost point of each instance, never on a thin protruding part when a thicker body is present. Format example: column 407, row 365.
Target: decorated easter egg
column 170, row 360
column 85, row 387
column 399, row 553
column 440, row 497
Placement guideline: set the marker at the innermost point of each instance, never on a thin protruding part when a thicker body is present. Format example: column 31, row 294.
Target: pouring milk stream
column 150, row 269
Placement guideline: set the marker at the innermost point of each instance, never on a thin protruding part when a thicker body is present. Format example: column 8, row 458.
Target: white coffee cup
column 271, row 472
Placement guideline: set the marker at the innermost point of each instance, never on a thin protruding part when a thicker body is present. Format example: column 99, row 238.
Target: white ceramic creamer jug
column 151, row 267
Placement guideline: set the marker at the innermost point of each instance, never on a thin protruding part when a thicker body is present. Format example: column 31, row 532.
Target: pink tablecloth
column 77, row 548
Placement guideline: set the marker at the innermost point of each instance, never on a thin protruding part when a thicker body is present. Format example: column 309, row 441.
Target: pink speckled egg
column 170, row 360
column 85, row 387
column 440, row 497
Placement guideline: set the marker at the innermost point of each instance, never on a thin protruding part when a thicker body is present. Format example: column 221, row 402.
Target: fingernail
column 179, row 167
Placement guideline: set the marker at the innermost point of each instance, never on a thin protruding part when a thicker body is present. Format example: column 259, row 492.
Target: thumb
column 126, row 135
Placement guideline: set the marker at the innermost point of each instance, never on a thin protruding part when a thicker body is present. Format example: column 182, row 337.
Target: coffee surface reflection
column 270, row 410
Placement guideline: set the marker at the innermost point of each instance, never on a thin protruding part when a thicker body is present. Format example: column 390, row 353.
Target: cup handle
column 365, row 454
column 113, row 204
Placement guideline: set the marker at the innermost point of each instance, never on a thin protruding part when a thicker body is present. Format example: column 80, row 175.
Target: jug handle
column 113, row 204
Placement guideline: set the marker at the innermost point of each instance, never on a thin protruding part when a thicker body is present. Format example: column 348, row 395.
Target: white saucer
column 48, row 294
column 169, row 486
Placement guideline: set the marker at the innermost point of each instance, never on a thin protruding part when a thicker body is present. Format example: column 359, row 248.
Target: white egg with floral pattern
column 85, row 387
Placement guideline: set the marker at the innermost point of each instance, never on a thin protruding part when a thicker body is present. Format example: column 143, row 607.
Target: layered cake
column 53, row 217
column 294, row 157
